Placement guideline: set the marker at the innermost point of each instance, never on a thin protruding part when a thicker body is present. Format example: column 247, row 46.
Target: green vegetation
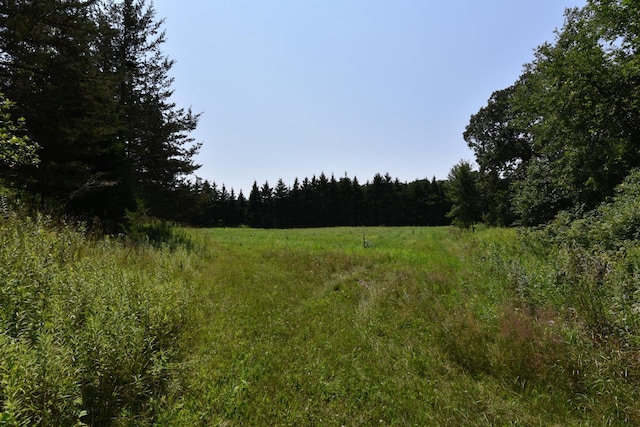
column 92, row 84
column 420, row 326
column 15, row 149
column 321, row 326
column 89, row 327
column 565, row 134
column 404, row 326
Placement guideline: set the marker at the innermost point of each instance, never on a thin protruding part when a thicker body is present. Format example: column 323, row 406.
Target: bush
column 88, row 328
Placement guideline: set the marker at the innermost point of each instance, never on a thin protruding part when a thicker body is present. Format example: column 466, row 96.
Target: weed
column 88, row 329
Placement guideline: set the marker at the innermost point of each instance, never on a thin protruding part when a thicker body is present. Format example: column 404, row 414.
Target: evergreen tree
column 358, row 203
column 346, row 202
column 241, row 210
column 49, row 66
column 295, row 205
column 154, row 132
column 267, row 208
column 90, row 79
column 281, row 205
column 254, row 207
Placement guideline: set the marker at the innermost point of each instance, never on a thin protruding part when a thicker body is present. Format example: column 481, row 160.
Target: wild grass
column 89, row 327
column 420, row 326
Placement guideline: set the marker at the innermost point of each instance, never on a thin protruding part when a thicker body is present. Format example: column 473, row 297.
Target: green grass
column 238, row 327
column 425, row 326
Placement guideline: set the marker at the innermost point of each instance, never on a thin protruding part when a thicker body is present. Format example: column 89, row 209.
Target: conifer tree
column 254, row 207
column 154, row 132
column 49, row 68
column 92, row 83
column 281, row 204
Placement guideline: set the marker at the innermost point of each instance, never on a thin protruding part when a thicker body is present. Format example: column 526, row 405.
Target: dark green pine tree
column 254, row 207
column 358, row 203
column 333, row 203
column 346, row 201
column 295, row 205
column 309, row 206
column 267, row 213
column 438, row 204
column 50, row 66
column 281, row 205
column 153, row 132
column 241, row 210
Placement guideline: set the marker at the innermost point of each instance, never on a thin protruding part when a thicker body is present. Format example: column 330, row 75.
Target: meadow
column 390, row 326
column 331, row 326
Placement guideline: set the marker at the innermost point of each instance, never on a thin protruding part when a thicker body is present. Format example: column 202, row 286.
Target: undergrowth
column 89, row 326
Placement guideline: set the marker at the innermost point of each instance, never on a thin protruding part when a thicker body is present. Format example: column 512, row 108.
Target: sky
column 294, row 88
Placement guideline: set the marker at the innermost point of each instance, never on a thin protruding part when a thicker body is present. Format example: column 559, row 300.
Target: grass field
column 403, row 326
column 314, row 327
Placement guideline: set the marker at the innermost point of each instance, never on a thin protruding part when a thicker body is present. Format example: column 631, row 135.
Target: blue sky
column 294, row 88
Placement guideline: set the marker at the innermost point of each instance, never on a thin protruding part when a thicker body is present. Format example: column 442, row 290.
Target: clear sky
column 293, row 88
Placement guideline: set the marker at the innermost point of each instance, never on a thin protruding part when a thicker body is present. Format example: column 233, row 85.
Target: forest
column 89, row 130
column 323, row 202
column 566, row 133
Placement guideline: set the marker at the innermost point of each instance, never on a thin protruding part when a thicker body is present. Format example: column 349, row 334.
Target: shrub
column 88, row 328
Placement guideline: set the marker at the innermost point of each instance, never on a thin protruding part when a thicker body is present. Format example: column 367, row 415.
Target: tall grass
column 88, row 327
column 420, row 326
column 424, row 326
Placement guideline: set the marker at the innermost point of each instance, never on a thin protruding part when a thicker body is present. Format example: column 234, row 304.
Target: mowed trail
column 310, row 327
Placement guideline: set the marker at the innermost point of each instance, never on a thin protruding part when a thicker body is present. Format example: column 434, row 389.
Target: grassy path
column 309, row 327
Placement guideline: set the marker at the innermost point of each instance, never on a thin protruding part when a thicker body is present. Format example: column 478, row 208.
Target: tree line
column 321, row 202
column 566, row 133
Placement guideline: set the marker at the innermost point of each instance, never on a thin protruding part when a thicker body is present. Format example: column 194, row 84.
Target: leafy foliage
column 565, row 135
column 463, row 192
column 15, row 147
column 89, row 328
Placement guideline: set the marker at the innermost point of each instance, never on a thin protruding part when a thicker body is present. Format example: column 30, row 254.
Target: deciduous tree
column 463, row 192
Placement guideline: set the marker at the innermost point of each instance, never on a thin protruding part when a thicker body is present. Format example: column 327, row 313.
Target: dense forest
column 89, row 127
column 322, row 202
column 86, row 101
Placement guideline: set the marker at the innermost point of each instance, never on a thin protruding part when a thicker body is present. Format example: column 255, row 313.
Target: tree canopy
column 566, row 133
column 323, row 202
column 463, row 192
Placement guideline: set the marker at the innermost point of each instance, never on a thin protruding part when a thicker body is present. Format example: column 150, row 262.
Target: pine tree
column 154, row 132
column 254, row 207
column 50, row 68
column 281, row 205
